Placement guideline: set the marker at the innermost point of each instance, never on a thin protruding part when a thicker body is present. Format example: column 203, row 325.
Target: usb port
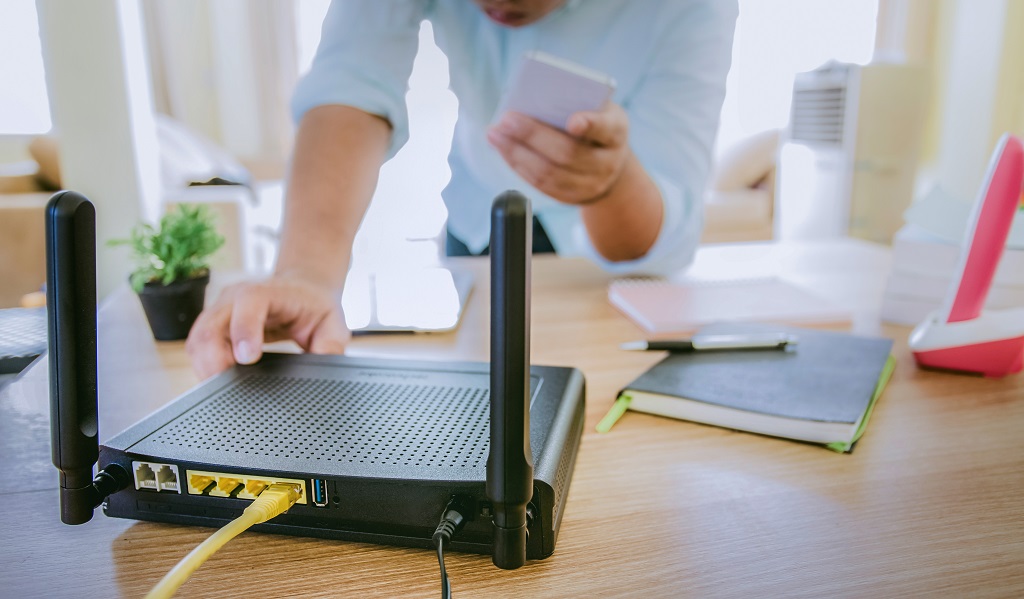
column 319, row 487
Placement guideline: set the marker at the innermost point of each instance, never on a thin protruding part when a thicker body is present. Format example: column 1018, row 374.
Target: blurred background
column 868, row 118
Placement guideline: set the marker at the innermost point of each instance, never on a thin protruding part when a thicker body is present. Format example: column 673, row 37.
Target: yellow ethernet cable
column 274, row 500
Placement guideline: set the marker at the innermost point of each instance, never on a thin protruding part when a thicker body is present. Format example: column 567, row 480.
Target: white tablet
column 551, row 89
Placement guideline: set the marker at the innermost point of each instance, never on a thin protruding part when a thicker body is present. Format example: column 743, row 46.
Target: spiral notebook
column 663, row 306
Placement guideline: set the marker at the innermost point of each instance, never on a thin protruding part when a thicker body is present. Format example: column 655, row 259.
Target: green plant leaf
column 176, row 250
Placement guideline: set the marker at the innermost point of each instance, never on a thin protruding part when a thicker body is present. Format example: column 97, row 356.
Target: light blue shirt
column 669, row 59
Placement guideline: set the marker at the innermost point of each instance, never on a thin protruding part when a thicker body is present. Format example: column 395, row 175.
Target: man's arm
column 334, row 170
column 625, row 222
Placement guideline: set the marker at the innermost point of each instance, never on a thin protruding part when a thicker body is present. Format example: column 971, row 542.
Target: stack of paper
column 661, row 306
column 922, row 270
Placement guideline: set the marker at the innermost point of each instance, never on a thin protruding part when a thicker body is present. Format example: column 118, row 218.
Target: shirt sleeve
column 364, row 60
column 673, row 120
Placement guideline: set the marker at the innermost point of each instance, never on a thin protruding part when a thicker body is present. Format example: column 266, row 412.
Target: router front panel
column 380, row 447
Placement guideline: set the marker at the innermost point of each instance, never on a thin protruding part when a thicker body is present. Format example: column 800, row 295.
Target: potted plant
column 172, row 270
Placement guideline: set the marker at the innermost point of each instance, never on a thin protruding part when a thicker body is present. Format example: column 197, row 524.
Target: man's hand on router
column 246, row 315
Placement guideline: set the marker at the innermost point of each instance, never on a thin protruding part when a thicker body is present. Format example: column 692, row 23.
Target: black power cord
column 446, row 585
column 452, row 521
column 110, row 480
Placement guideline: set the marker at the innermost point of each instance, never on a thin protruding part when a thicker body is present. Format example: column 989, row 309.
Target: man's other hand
column 245, row 316
column 577, row 166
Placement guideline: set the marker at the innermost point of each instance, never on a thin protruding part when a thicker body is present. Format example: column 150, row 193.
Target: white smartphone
column 551, row 89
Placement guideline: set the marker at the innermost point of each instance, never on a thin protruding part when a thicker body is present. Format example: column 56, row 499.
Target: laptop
column 406, row 300
column 22, row 337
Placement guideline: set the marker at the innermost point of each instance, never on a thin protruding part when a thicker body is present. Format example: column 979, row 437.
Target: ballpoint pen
column 716, row 342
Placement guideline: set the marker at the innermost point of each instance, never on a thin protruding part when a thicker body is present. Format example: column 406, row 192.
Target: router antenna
column 71, row 315
column 510, row 463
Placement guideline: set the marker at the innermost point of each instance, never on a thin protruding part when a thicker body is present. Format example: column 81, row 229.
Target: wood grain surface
column 928, row 504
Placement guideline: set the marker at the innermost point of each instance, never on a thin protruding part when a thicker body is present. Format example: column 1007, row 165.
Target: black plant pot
column 171, row 309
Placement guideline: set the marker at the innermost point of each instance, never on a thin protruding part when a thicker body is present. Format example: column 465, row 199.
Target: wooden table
column 929, row 503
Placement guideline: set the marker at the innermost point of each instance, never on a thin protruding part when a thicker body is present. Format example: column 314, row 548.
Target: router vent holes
column 345, row 421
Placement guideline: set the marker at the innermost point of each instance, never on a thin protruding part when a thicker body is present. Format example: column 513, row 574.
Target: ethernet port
column 254, row 487
column 145, row 478
column 167, row 478
column 200, row 484
column 227, row 487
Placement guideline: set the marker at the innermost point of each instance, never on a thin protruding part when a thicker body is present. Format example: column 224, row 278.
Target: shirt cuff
column 369, row 96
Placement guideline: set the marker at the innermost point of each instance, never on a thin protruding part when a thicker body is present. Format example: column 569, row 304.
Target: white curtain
column 226, row 68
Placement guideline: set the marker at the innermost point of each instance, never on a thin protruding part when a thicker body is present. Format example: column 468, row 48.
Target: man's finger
column 248, row 316
column 606, row 128
column 208, row 344
column 578, row 124
column 331, row 336
column 212, row 359
column 545, row 140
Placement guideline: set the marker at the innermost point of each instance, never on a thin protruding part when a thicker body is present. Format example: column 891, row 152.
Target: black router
column 380, row 447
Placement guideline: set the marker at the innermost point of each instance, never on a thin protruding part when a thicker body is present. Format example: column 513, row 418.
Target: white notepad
column 661, row 306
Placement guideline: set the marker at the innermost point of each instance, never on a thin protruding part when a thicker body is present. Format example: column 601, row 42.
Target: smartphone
column 551, row 89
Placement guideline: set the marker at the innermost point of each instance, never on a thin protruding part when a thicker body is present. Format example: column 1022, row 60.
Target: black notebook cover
column 826, row 377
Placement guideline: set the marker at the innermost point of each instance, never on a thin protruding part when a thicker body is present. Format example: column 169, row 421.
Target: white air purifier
column 848, row 158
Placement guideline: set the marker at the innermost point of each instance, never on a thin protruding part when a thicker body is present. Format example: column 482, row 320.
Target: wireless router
column 379, row 447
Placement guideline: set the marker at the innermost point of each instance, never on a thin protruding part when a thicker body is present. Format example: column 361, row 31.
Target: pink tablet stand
column 960, row 335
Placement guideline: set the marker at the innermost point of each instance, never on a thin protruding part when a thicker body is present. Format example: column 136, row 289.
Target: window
column 309, row 17
column 24, row 108
column 775, row 41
